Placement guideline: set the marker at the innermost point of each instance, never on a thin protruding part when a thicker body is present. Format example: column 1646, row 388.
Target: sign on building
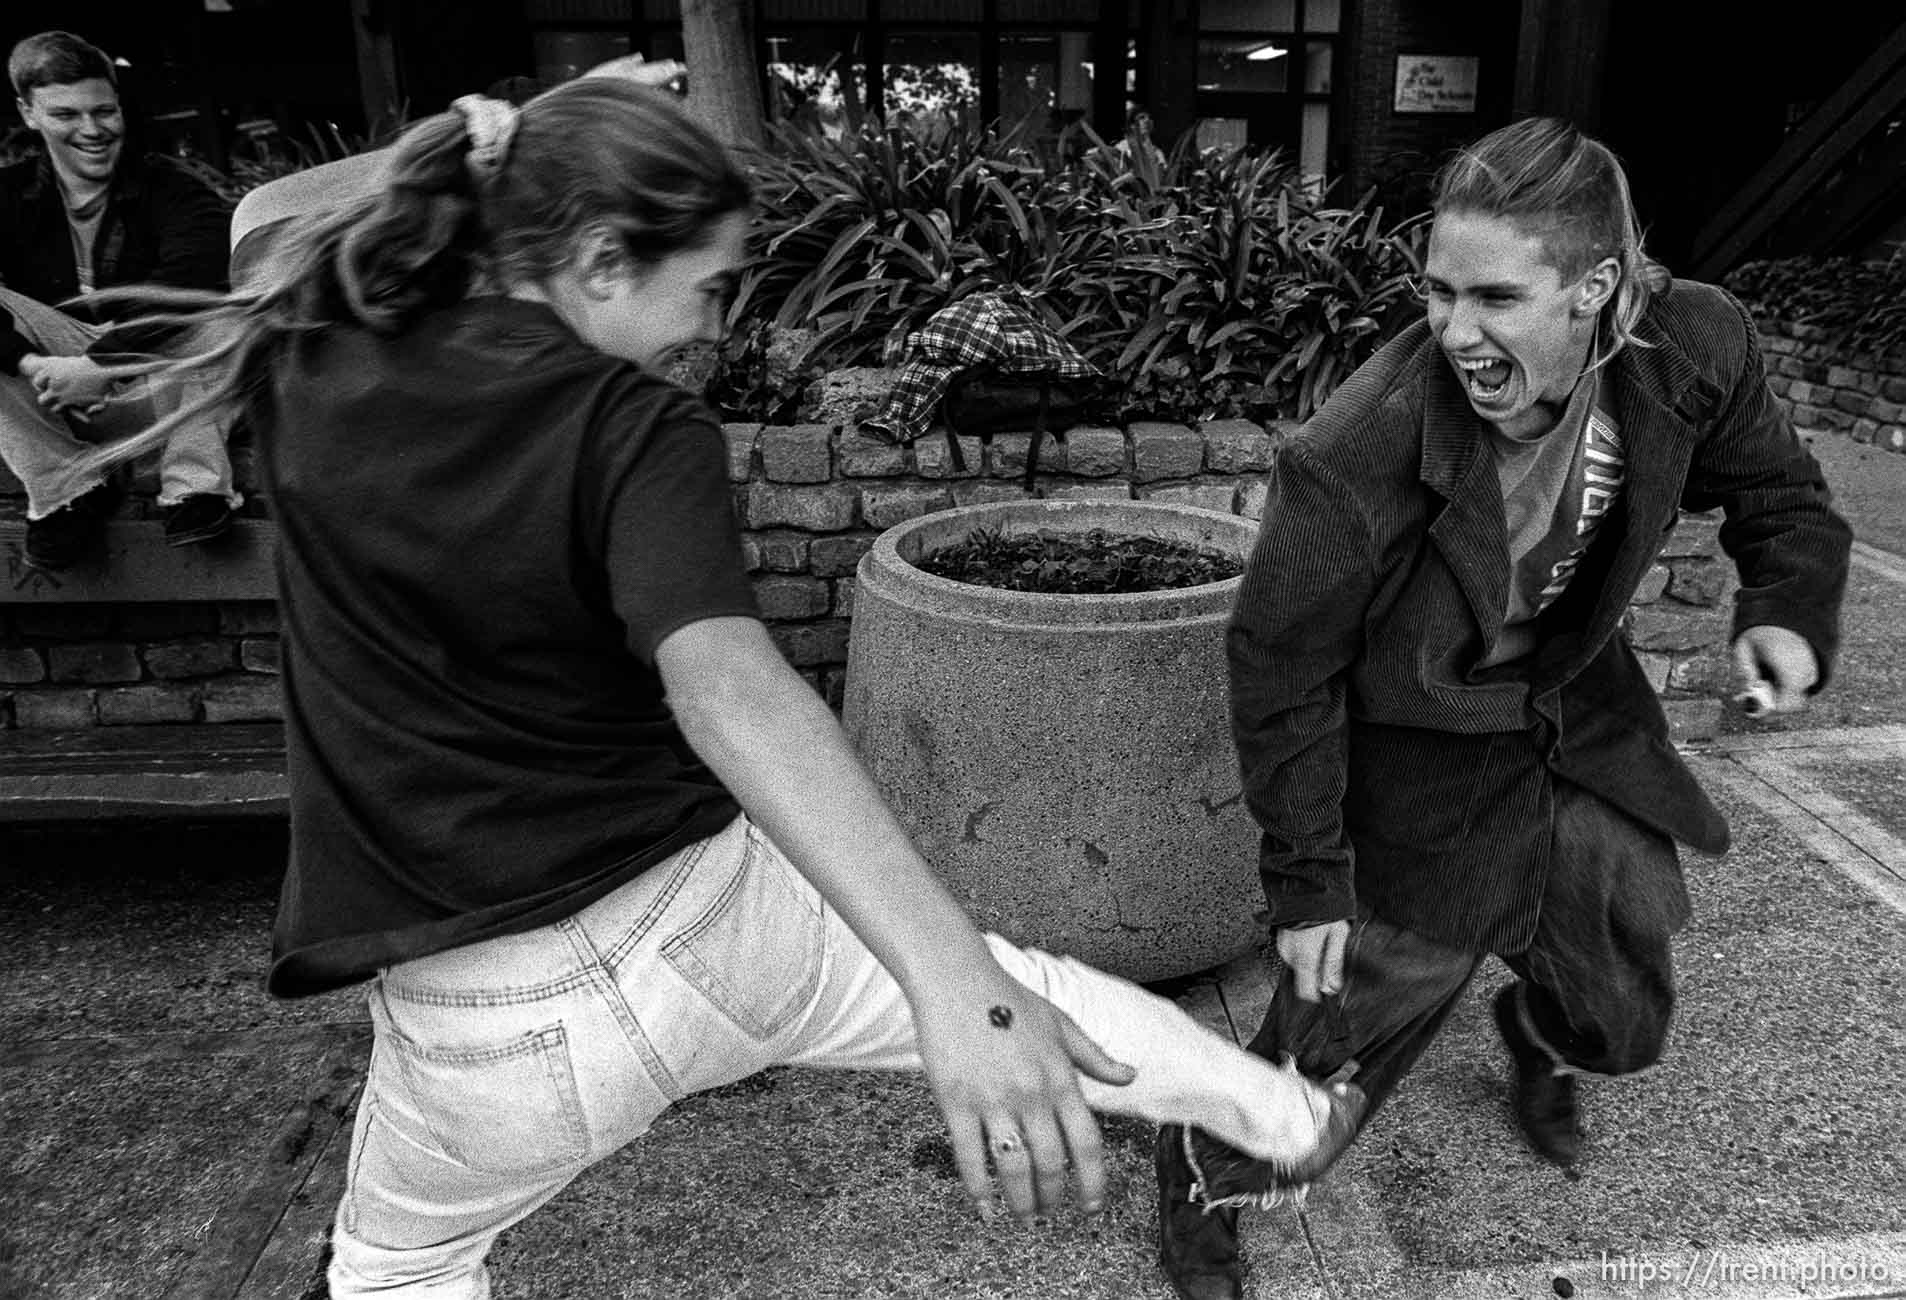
column 1436, row 83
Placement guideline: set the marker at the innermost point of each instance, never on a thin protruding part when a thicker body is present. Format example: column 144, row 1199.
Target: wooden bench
column 209, row 770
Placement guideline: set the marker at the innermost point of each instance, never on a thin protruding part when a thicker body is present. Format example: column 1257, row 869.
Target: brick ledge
column 138, row 566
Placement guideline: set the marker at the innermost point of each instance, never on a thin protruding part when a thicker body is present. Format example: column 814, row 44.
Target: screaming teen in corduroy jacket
column 1448, row 741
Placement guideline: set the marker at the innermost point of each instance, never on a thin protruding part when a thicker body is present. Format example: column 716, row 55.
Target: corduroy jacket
column 1381, row 762
column 162, row 225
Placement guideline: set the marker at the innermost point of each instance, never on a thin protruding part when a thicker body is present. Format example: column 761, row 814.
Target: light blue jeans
column 503, row 1069
column 40, row 447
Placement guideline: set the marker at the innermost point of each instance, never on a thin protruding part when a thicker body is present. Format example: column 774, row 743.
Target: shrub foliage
column 1210, row 285
column 1862, row 305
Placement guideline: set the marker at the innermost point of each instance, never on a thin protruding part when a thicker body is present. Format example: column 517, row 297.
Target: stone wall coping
column 161, row 636
column 138, row 567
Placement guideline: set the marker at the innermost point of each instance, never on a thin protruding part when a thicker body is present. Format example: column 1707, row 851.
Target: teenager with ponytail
column 555, row 793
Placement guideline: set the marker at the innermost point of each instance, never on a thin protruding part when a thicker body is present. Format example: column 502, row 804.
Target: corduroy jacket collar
column 1661, row 400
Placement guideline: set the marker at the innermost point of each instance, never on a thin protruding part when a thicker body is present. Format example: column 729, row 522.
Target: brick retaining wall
column 811, row 499
column 1821, row 387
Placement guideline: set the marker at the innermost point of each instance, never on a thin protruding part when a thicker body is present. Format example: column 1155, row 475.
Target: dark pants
column 1597, row 985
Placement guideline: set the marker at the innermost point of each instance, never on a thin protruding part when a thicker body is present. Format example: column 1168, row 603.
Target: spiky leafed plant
column 1211, row 284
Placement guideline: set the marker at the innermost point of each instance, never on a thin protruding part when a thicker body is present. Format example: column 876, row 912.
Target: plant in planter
column 1064, row 758
column 1096, row 562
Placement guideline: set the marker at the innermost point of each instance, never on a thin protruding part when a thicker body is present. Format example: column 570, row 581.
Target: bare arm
column 774, row 744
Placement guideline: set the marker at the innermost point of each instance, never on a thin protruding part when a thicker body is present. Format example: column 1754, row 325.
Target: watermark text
column 1724, row 1268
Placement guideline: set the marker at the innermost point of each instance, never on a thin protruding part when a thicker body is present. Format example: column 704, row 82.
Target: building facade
column 1362, row 93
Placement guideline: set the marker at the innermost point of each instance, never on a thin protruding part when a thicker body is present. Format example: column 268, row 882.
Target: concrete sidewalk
column 173, row 1133
column 1762, row 1158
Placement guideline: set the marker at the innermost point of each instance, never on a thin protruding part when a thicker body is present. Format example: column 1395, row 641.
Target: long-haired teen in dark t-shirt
column 556, row 795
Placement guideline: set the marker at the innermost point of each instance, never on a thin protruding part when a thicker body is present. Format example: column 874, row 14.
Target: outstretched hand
column 1004, row 1068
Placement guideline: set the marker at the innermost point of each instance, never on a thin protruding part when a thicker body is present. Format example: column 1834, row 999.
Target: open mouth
column 1486, row 379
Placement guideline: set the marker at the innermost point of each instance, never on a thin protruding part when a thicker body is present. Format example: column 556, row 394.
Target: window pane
column 932, row 74
column 579, row 11
column 813, row 11
column 1248, row 15
column 1076, row 72
column 1028, row 82
column 1227, row 65
column 1049, row 11
column 561, row 56
column 1044, row 81
column 930, row 11
column 1315, row 147
column 1317, row 56
column 1323, row 15
column 818, row 77
column 1223, row 132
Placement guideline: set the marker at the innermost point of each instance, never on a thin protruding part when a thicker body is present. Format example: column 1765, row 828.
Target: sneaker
column 1545, row 1102
column 198, row 518
column 73, row 532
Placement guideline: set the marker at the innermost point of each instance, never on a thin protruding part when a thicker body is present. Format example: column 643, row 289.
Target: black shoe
column 1223, row 1175
column 71, row 533
column 1545, row 1101
column 1197, row 1244
column 198, row 518
column 1202, row 1185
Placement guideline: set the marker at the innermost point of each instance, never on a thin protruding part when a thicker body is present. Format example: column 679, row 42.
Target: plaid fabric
column 984, row 330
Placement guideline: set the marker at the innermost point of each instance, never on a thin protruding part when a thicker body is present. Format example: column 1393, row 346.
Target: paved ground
column 170, row 1132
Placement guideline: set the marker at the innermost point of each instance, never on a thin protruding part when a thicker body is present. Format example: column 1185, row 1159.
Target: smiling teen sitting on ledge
column 82, row 217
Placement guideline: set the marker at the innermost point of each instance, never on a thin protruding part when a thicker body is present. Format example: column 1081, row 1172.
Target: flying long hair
column 592, row 155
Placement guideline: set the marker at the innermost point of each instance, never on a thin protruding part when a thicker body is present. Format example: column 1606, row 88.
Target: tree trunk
column 724, row 86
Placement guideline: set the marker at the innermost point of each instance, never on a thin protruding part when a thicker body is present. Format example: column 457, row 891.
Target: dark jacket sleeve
column 13, row 345
column 1780, row 528
column 192, row 224
column 1294, row 633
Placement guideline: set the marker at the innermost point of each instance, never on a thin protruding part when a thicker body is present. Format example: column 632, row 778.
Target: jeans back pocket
column 510, row 1108
column 755, row 952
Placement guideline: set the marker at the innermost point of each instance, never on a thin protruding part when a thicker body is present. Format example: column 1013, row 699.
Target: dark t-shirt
column 485, row 529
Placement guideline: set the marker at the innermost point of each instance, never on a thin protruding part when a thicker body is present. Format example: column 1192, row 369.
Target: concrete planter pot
column 1064, row 761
